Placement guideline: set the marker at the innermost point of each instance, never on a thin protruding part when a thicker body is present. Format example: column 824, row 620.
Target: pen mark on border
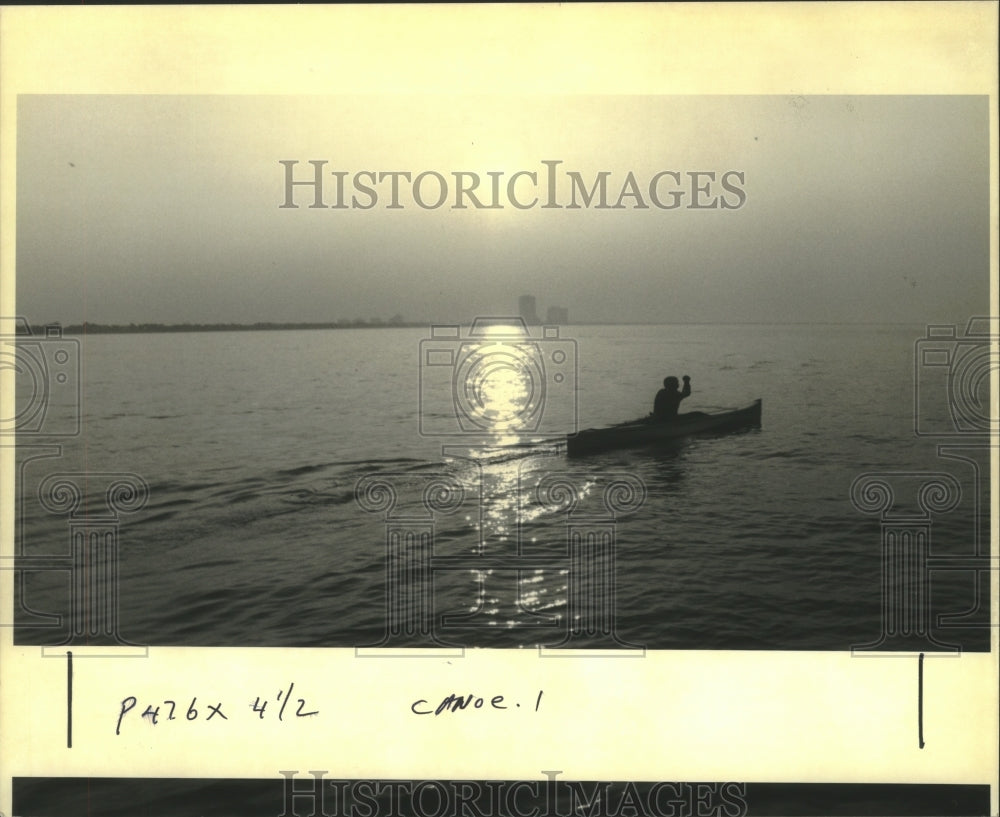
column 69, row 699
column 284, row 702
column 920, row 699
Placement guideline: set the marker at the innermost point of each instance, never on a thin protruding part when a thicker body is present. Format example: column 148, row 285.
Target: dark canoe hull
column 647, row 434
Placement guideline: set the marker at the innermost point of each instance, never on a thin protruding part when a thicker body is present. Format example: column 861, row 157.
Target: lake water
column 252, row 445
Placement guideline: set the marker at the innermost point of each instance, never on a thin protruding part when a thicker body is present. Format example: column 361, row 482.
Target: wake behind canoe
column 646, row 432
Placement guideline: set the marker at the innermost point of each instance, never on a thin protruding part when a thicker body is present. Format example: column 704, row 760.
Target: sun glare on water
column 498, row 383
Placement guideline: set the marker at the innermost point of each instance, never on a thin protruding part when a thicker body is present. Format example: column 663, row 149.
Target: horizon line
column 153, row 327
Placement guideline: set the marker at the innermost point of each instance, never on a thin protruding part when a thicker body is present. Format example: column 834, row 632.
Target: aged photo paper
column 221, row 167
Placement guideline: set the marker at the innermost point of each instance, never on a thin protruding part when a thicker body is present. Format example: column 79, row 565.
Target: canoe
column 647, row 433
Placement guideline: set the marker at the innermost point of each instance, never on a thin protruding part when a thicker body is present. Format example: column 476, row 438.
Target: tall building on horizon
column 557, row 315
column 526, row 309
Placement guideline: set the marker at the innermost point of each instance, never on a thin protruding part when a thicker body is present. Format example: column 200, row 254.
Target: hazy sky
column 167, row 208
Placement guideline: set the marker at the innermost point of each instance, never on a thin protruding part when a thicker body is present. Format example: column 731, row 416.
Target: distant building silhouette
column 526, row 309
column 557, row 315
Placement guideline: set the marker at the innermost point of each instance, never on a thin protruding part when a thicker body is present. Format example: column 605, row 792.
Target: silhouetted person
column 668, row 399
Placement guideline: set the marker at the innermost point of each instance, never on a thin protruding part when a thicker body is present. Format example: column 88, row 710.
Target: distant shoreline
column 42, row 330
column 150, row 328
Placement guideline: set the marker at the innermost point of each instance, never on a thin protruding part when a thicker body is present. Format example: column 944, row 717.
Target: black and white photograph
column 604, row 388
column 293, row 332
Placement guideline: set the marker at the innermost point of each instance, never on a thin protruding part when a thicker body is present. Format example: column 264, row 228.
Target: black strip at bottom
column 323, row 795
